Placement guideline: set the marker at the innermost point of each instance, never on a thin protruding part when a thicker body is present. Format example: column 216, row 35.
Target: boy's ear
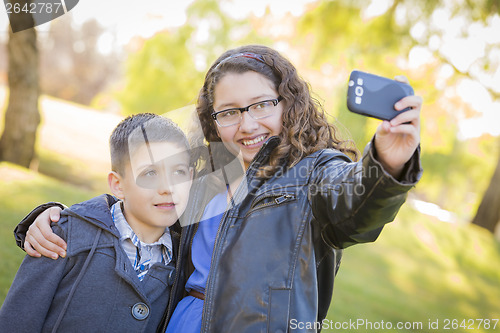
column 115, row 183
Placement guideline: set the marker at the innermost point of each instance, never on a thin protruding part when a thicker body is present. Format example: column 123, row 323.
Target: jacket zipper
column 217, row 240
column 223, row 224
column 277, row 200
column 284, row 198
column 174, row 284
column 176, row 278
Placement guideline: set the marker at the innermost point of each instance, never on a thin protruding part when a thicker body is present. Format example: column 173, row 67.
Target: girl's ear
column 115, row 183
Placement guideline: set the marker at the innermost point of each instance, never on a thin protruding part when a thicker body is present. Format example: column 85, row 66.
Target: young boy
column 118, row 271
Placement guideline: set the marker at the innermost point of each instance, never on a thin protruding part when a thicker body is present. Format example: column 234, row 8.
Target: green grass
column 75, row 172
column 420, row 269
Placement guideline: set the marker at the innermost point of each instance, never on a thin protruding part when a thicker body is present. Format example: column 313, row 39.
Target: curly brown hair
column 305, row 128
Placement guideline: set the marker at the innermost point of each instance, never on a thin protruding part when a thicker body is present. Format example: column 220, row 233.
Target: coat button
column 140, row 311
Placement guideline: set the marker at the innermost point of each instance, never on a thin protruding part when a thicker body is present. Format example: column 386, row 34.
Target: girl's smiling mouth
column 252, row 142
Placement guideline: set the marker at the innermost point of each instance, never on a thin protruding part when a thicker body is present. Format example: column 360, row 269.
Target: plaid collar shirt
column 141, row 255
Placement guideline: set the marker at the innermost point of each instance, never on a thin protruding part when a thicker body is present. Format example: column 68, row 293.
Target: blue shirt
column 187, row 315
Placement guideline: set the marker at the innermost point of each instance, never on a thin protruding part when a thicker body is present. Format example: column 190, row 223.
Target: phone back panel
column 374, row 96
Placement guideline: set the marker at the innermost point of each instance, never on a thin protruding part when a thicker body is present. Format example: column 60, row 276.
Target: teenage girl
column 269, row 244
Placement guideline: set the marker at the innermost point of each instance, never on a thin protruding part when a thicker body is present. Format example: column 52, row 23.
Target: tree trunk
column 22, row 117
column 488, row 213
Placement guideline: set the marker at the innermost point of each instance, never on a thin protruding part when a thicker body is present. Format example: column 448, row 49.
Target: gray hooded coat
column 93, row 289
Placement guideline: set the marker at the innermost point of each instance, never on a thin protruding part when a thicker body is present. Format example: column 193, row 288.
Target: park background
column 107, row 59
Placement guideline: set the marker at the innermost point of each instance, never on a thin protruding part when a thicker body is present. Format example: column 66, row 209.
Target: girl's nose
column 248, row 124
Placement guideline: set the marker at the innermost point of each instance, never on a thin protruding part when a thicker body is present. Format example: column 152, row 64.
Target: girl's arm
column 352, row 202
column 35, row 235
column 355, row 200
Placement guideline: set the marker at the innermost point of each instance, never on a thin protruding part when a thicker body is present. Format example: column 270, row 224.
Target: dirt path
column 75, row 131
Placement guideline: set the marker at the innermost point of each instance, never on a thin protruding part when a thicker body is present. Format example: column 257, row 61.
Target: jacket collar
column 263, row 154
column 96, row 211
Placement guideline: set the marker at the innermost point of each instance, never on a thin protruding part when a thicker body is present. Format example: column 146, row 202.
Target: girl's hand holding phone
column 396, row 140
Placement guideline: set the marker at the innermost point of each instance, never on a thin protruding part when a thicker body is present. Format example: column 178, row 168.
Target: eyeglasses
column 259, row 110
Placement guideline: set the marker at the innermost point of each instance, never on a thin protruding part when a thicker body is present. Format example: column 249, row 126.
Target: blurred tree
column 167, row 72
column 22, row 117
column 161, row 76
column 479, row 66
column 337, row 34
column 442, row 37
column 72, row 65
column 488, row 213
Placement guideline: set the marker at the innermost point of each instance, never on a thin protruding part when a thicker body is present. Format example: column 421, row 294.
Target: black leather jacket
column 277, row 251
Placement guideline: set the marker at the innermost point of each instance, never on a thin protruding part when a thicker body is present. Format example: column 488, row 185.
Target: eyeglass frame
column 246, row 109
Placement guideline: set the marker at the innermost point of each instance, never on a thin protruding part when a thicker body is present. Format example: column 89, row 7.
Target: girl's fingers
column 384, row 128
column 41, row 242
column 51, row 241
column 42, row 239
column 30, row 250
column 405, row 129
column 411, row 116
column 55, row 214
column 414, row 102
column 38, row 243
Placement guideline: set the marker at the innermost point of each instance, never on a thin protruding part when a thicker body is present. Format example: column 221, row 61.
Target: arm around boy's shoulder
column 23, row 226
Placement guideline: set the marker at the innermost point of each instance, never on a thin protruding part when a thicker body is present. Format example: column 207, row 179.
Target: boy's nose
column 164, row 186
column 248, row 124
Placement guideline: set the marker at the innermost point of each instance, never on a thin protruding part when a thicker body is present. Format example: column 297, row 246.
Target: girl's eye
column 262, row 105
column 229, row 113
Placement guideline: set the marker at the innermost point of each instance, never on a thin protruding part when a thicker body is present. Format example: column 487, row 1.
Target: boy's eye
column 180, row 172
column 148, row 179
column 150, row 173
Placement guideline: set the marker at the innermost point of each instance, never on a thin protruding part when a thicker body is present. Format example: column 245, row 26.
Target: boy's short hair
column 136, row 130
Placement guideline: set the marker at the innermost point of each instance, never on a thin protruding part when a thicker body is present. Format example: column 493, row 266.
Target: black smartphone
column 374, row 96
